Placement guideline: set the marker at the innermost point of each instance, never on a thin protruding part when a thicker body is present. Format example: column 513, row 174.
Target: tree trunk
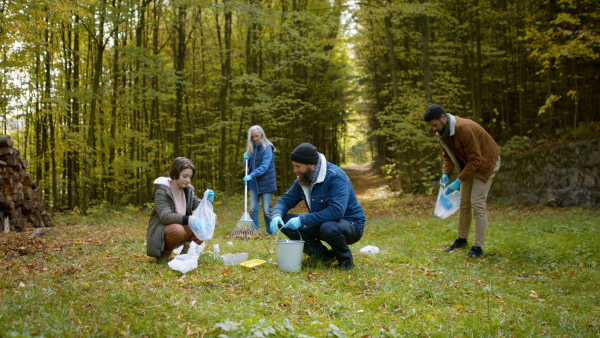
column 426, row 63
column 179, row 50
column 94, row 106
column 391, row 54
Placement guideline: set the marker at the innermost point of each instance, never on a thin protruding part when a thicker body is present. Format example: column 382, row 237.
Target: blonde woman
column 261, row 178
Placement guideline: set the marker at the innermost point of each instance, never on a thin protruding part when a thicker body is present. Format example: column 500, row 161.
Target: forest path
column 378, row 201
column 367, row 179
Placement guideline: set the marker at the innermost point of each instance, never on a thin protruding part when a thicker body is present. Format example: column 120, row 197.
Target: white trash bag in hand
column 187, row 262
column 446, row 204
column 205, row 219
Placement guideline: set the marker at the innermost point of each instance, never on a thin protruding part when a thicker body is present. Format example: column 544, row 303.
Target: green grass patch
column 90, row 277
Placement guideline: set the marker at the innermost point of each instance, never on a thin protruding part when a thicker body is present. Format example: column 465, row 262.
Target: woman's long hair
column 263, row 140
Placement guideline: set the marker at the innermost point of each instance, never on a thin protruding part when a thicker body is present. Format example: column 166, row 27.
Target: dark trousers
column 338, row 234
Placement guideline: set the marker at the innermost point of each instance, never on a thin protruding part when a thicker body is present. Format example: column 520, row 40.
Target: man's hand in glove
column 293, row 223
column 453, row 187
column 275, row 222
column 445, row 180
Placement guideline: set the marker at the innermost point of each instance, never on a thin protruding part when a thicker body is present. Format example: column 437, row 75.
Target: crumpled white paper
column 369, row 250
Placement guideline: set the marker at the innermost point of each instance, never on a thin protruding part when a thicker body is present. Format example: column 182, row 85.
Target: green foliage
column 100, row 96
column 521, row 70
column 106, row 94
column 521, row 144
column 414, row 152
column 584, row 131
column 516, row 145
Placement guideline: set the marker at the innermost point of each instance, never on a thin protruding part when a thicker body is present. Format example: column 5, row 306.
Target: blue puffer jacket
column 331, row 197
column 262, row 170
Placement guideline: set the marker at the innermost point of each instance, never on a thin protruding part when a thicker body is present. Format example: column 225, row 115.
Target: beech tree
column 101, row 95
column 522, row 69
column 110, row 91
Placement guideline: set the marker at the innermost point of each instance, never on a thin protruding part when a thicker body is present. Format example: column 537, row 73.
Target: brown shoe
column 186, row 248
column 164, row 257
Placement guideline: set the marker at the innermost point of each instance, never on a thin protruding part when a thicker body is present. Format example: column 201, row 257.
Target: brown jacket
column 475, row 148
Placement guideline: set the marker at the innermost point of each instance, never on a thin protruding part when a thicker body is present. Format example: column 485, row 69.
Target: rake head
column 244, row 230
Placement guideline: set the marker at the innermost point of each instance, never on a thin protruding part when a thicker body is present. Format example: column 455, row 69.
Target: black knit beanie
column 305, row 153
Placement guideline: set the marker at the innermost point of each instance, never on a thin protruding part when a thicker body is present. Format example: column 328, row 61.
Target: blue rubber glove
column 445, row 202
column 246, row 156
column 211, row 195
column 445, row 180
column 247, row 178
column 275, row 222
column 293, row 223
column 453, row 187
column 197, row 224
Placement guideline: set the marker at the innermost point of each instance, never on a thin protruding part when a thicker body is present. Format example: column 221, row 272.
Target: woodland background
column 100, row 95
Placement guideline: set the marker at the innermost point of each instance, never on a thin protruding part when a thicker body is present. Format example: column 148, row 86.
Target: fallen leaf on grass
column 195, row 332
column 589, row 322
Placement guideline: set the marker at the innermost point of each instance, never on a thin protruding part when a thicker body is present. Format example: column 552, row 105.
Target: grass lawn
column 90, row 277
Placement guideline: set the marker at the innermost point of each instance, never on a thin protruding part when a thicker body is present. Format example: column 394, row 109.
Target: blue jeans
column 267, row 199
column 338, row 234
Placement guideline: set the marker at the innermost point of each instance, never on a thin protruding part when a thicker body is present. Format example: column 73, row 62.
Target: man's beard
column 306, row 178
column 444, row 126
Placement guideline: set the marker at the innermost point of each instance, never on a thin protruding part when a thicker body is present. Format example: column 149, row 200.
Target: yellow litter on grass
column 251, row 264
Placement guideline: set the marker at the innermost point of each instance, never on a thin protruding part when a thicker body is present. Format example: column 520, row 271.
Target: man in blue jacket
column 335, row 216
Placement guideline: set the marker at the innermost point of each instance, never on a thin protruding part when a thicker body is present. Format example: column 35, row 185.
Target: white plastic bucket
column 289, row 254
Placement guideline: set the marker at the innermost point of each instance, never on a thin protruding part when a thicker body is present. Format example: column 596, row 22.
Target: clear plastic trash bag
column 187, row 262
column 446, row 204
column 204, row 226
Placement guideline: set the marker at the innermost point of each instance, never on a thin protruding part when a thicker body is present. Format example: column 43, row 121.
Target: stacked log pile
column 21, row 203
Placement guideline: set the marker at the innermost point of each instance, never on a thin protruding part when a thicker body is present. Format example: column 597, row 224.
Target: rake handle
column 246, row 191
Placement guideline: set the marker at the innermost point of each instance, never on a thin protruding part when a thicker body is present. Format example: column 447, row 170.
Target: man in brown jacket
column 469, row 149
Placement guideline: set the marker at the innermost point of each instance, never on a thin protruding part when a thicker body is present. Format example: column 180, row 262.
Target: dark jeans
column 338, row 234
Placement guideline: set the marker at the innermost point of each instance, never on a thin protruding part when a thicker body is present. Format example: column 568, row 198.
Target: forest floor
column 90, row 276
column 368, row 181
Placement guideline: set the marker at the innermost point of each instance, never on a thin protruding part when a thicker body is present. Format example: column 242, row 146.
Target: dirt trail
column 367, row 180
